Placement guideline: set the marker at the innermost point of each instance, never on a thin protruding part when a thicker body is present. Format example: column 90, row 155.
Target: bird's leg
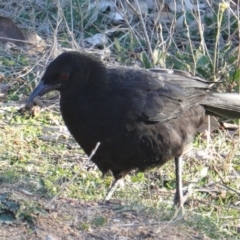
column 112, row 189
column 179, row 199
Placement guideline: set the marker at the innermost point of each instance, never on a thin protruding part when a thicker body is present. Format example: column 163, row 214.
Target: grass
column 37, row 160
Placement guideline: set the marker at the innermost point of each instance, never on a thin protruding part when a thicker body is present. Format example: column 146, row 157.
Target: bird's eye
column 63, row 76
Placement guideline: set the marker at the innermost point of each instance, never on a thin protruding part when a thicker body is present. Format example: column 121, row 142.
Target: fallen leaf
column 9, row 32
column 34, row 42
column 98, row 39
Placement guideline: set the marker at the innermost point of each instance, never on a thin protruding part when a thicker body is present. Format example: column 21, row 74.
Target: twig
column 74, row 43
column 131, row 28
column 189, row 38
column 222, row 8
column 232, row 189
column 218, row 173
column 72, row 179
column 139, row 14
column 144, row 28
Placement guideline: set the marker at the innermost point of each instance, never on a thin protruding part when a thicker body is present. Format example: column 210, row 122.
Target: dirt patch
column 76, row 219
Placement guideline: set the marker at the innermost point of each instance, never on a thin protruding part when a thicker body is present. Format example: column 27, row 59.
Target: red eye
column 63, row 76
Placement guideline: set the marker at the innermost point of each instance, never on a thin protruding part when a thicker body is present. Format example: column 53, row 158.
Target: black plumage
column 141, row 118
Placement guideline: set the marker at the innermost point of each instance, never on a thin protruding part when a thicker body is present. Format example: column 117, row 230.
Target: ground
column 67, row 218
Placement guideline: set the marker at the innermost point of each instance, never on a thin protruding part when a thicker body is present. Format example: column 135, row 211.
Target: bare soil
column 67, row 218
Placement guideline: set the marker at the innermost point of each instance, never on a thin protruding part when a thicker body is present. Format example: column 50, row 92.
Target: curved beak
column 40, row 90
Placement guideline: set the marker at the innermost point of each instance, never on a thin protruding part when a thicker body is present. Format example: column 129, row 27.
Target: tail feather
column 222, row 104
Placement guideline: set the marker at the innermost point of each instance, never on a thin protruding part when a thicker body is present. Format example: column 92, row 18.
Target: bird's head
column 70, row 70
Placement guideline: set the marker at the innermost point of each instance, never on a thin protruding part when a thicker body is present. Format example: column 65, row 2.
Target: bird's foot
column 180, row 199
column 179, row 202
column 114, row 186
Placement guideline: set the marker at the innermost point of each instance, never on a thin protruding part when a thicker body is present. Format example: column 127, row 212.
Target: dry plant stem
column 71, row 9
column 171, row 30
column 162, row 41
column 55, row 41
column 231, row 154
column 21, row 75
column 220, row 12
column 119, row 39
column 216, row 49
column 129, row 25
column 159, row 32
column 72, row 179
column 201, row 32
column 208, row 132
column 144, row 28
column 218, row 173
column 74, row 43
column 189, row 38
column 219, row 22
column 139, row 14
column 231, row 189
column 17, row 40
column 113, row 188
column 81, row 35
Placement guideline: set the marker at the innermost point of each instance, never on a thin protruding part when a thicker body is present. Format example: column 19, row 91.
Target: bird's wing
column 183, row 79
column 167, row 102
column 150, row 99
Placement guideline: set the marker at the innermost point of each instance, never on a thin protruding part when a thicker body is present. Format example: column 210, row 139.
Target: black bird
column 141, row 118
